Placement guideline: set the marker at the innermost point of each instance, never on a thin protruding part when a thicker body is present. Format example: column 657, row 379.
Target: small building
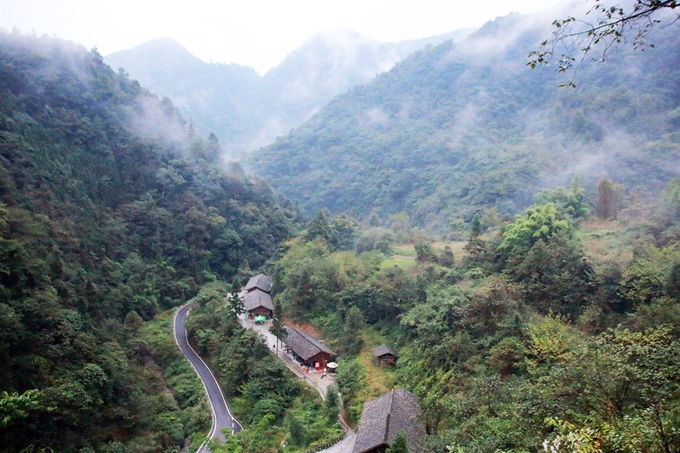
column 261, row 282
column 308, row 350
column 258, row 303
column 385, row 355
column 384, row 417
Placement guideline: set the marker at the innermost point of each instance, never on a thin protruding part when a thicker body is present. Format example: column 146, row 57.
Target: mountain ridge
column 246, row 110
column 457, row 129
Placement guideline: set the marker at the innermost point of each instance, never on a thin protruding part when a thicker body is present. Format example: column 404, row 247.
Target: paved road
column 346, row 445
column 313, row 378
column 221, row 415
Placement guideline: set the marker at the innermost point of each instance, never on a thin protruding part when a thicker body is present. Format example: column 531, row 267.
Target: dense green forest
column 111, row 211
column 461, row 128
column 554, row 325
column 555, row 331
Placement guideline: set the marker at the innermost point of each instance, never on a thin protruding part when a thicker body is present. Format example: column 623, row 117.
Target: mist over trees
column 464, row 127
column 549, row 322
column 604, row 29
column 247, row 110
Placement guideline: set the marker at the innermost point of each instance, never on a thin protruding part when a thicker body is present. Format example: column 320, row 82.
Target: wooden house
column 258, row 303
column 385, row 355
column 308, row 350
column 261, row 282
column 384, row 417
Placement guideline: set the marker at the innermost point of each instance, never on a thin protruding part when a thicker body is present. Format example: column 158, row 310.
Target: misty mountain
column 459, row 128
column 329, row 63
column 246, row 110
column 218, row 98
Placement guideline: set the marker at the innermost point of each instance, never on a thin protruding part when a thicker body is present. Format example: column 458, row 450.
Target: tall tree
column 331, row 404
column 277, row 328
column 542, row 255
column 607, row 197
column 234, row 297
column 319, row 226
column 342, row 233
column 476, row 246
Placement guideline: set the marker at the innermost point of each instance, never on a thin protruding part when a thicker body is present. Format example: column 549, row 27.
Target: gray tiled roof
column 257, row 298
column 383, row 350
column 305, row 345
column 384, row 417
column 259, row 281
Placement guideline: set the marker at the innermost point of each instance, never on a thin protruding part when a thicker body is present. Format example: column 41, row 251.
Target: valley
column 506, row 238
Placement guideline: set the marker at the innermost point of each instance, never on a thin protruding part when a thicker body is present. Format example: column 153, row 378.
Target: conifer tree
column 319, row 226
column 331, row 403
column 235, row 300
column 475, row 246
column 607, row 193
column 398, row 444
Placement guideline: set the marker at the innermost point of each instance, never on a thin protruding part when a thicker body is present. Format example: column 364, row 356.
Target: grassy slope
column 606, row 242
column 405, row 254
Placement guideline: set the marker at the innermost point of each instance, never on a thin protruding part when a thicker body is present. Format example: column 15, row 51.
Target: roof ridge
column 389, row 413
column 305, row 335
column 308, row 338
column 308, row 342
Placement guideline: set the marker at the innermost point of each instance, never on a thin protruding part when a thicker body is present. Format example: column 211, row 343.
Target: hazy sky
column 257, row 33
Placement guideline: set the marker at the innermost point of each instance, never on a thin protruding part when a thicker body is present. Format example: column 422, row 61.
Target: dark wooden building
column 385, row 355
column 384, row 417
column 258, row 303
column 308, row 350
column 261, row 282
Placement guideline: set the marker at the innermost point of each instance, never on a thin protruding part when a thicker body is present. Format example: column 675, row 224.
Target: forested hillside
column 215, row 98
column 557, row 332
column 247, row 110
column 110, row 211
column 460, row 128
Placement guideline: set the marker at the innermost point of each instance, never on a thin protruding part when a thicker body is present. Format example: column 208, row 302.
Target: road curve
column 221, row 416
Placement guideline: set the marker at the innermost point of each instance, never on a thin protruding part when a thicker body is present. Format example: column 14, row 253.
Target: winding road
column 221, row 416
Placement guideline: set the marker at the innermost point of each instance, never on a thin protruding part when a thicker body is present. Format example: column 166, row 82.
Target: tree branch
column 614, row 27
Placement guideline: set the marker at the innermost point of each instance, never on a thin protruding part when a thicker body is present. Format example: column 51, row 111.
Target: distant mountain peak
column 159, row 48
column 246, row 110
column 163, row 41
column 333, row 42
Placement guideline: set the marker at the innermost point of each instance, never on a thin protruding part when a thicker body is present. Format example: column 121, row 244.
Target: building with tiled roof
column 307, row 349
column 385, row 355
column 258, row 302
column 384, row 417
column 261, row 282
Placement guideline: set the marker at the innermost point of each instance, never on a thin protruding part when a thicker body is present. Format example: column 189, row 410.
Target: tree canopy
column 110, row 212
